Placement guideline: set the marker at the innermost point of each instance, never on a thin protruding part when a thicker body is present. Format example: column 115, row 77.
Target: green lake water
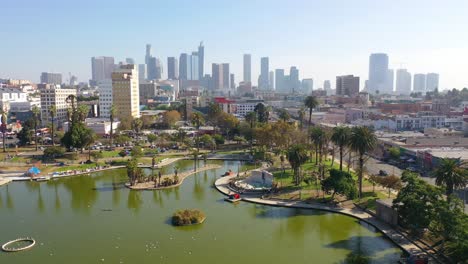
column 94, row 219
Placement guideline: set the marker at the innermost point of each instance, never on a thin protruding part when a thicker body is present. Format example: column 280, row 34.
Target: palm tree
column 340, row 138
column 82, row 112
column 251, row 118
column 301, row 114
column 4, row 127
column 297, row 155
column 52, row 113
column 197, row 121
column 113, row 111
column 137, row 124
column 317, row 135
column 311, row 103
column 361, row 140
column 451, row 174
column 36, row 112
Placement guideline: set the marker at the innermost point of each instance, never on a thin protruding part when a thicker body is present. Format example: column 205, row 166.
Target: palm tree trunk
column 341, row 158
column 35, row 132
column 310, row 116
column 53, row 132
column 361, row 170
column 4, row 140
column 111, row 131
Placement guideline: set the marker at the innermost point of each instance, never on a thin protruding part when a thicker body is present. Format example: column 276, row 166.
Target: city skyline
column 441, row 50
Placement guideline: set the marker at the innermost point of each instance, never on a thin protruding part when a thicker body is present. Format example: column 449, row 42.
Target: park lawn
column 368, row 201
column 110, row 154
column 285, row 181
column 74, row 167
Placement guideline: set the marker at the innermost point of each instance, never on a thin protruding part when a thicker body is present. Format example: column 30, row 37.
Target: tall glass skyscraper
column 201, row 61
column 378, row 73
column 247, row 68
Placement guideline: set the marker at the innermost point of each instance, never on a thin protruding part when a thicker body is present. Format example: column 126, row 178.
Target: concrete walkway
column 4, row 181
column 405, row 244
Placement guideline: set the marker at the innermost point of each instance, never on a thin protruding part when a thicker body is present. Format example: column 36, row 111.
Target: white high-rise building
column 54, row 95
column 419, row 83
column 403, row 82
column 378, row 72
column 432, row 82
column 105, row 97
column 125, row 92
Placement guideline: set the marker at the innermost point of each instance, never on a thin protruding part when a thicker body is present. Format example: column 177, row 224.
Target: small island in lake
column 188, row 217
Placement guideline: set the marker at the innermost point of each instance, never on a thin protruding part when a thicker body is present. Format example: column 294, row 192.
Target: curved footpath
column 405, row 244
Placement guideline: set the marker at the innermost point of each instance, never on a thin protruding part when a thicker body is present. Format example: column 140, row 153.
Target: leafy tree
column 4, row 127
column 152, row 138
column 148, row 120
column 450, row 174
column 219, row 140
column 340, row 182
column 122, row 139
column 208, row 141
column 137, row 124
column 25, row 135
column 262, row 113
column 239, row 139
column 361, row 141
column 301, row 113
column 137, row 152
column 228, row 123
column 53, row 114
column 251, row 119
column 283, row 114
column 340, row 138
column 297, row 155
column 54, row 152
column 394, row 152
column 416, row 202
column 391, row 182
column 170, row 118
column 79, row 136
column 311, row 102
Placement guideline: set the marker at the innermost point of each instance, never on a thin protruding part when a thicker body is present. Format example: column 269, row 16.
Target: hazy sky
column 322, row 38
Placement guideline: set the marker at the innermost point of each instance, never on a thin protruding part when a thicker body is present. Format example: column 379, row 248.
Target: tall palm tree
column 36, row 112
column 52, row 113
column 251, row 118
column 317, row 135
column 4, row 127
column 451, row 174
column 82, row 112
column 340, row 138
column 197, row 121
column 113, row 111
column 361, row 140
column 311, row 103
column 301, row 114
column 297, row 155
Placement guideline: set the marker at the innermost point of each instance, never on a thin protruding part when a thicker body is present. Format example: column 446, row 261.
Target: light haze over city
column 323, row 39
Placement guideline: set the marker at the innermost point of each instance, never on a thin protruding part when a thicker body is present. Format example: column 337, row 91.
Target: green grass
column 110, row 154
column 368, row 200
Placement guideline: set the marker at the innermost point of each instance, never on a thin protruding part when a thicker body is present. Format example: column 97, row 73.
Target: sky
column 322, row 38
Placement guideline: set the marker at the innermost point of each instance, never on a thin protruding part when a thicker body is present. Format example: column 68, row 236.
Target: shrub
column 54, row 152
column 219, row 140
column 188, row 217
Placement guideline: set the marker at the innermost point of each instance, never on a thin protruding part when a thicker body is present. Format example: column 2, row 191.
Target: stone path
column 405, row 244
column 4, row 181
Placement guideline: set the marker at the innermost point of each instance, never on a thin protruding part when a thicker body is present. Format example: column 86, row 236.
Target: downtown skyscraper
column 379, row 74
column 403, row 82
column 201, row 61
column 172, row 68
column 220, row 76
column 247, row 68
column 264, row 74
column 101, row 68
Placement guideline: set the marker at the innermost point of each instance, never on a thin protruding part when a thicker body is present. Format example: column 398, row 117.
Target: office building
column 378, row 73
column 403, row 82
column 232, row 81
column 153, row 68
column 101, row 68
column 194, row 67
column 389, row 82
column 125, row 92
column 347, row 85
column 201, row 61
column 271, row 80
column 247, row 68
column 432, row 82
column 279, row 80
column 172, row 68
column 294, row 83
column 52, row 94
column 105, row 97
column 327, row 85
column 51, row 78
column 264, row 72
column 184, row 66
column 307, row 86
column 142, row 72
column 419, row 83
column 148, row 53
column 220, row 76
